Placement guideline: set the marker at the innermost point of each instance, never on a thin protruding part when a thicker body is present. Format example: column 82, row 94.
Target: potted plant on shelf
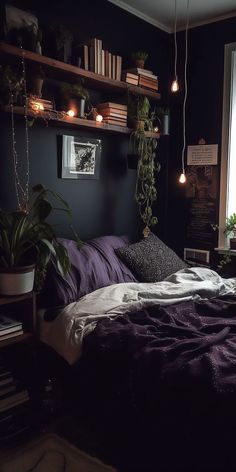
column 163, row 116
column 138, row 111
column 140, row 58
column 27, row 241
column 74, row 97
column 37, row 77
column 58, row 42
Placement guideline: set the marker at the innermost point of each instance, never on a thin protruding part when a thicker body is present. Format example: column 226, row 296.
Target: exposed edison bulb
column 71, row 113
column 175, row 86
column 182, row 178
column 99, row 118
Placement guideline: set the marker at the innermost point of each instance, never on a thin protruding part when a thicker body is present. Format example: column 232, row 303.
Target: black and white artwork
column 80, row 158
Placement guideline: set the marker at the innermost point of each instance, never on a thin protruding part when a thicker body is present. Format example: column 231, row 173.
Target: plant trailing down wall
column 146, row 192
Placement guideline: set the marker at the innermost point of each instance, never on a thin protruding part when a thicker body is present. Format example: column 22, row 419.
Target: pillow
column 150, row 259
column 94, row 266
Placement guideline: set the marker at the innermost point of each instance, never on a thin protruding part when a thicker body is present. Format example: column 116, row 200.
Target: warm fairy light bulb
column 37, row 106
column 71, row 113
column 182, row 178
column 174, row 86
column 99, row 118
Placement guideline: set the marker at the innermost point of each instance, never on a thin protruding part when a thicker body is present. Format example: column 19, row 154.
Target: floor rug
column 52, row 454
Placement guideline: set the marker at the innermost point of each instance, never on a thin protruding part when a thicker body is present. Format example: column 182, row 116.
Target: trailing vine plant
column 146, row 193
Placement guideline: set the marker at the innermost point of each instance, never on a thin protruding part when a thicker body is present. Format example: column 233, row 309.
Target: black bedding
column 163, row 381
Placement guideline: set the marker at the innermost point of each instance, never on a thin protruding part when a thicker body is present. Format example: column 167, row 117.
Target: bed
column 152, row 344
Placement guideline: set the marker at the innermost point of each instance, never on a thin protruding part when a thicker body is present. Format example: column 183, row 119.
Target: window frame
column 229, row 69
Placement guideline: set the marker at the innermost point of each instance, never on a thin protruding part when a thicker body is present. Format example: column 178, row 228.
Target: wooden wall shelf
column 62, row 71
column 69, row 121
column 78, row 122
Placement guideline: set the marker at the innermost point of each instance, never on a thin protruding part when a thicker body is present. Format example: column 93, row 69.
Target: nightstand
column 21, row 308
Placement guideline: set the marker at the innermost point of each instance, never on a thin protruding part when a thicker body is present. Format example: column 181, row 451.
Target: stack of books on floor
column 9, row 328
column 96, row 59
column 113, row 113
column 14, row 405
column 141, row 77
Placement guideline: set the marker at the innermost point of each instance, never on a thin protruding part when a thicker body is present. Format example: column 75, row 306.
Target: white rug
column 52, row 454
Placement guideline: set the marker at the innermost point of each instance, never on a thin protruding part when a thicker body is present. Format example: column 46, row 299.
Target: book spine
column 118, row 67
column 99, row 54
column 91, row 58
column 86, row 57
column 103, row 62
column 114, row 67
column 109, row 65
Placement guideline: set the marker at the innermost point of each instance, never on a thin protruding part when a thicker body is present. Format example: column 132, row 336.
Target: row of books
column 101, row 61
column 9, row 327
column 141, row 77
column 14, row 405
column 113, row 113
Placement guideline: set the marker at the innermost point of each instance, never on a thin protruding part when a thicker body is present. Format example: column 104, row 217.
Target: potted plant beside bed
column 27, row 241
column 230, row 230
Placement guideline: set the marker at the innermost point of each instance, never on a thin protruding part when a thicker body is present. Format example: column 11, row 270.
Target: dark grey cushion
column 150, row 259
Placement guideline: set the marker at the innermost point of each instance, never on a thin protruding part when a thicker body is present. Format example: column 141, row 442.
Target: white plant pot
column 17, row 280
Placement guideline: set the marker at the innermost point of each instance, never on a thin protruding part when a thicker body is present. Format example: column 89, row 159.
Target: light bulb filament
column 175, row 86
column 182, row 178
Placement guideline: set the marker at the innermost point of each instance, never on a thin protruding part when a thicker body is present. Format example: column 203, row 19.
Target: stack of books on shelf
column 9, row 328
column 96, row 59
column 129, row 78
column 14, row 405
column 113, row 113
column 141, row 77
column 39, row 104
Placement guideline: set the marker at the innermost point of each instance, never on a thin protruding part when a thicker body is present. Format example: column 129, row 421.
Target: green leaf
column 44, row 209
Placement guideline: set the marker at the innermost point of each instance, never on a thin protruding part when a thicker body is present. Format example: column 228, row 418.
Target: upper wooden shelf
column 61, row 70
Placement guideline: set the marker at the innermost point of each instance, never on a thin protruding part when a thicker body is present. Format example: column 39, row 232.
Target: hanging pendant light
column 182, row 178
column 175, row 85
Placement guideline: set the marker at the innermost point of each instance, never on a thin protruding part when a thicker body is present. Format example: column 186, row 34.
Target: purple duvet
column 165, row 379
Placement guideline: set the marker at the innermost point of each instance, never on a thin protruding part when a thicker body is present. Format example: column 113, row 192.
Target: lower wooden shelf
column 15, row 339
column 64, row 120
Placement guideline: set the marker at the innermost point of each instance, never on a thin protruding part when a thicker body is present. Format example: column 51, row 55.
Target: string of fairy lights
column 21, row 183
column 32, row 106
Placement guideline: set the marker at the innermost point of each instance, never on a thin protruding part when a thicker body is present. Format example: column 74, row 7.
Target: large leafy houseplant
column 27, row 237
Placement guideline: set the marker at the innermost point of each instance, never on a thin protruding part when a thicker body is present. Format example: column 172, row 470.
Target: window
column 228, row 150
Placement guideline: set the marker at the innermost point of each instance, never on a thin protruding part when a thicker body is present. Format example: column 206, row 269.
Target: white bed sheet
column 65, row 334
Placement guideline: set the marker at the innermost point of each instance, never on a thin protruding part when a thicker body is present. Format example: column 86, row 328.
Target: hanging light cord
column 176, row 50
column 185, row 87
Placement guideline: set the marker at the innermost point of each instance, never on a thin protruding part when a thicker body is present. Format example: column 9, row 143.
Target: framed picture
column 80, row 158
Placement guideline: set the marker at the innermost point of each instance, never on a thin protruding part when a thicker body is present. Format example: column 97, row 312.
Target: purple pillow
column 94, row 266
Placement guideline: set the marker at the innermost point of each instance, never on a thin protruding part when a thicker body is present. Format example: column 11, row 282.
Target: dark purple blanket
column 170, row 374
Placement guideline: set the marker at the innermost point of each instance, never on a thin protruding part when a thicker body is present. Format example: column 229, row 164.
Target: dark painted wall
column 103, row 206
column 204, row 110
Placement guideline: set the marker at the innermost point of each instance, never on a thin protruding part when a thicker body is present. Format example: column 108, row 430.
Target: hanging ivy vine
column 146, row 192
